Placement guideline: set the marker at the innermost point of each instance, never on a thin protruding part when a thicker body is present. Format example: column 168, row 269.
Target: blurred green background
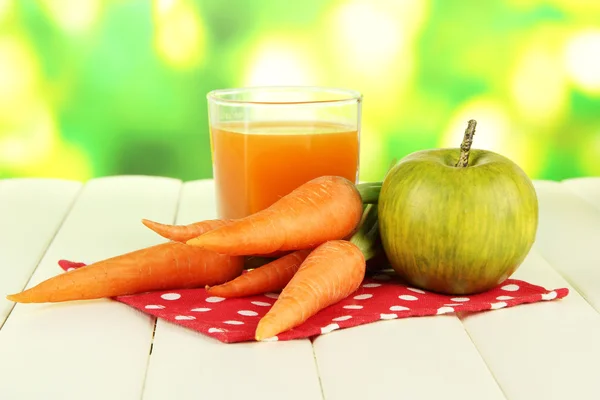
column 92, row 88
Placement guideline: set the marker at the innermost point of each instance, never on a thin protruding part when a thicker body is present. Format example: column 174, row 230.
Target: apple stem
column 465, row 146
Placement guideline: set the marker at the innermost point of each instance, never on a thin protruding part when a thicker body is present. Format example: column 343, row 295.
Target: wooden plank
column 31, row 211
column 586, row 188
column 94, row 349
column 546, row 350
column 186, row 365
column 569, row 237
column 411, row 358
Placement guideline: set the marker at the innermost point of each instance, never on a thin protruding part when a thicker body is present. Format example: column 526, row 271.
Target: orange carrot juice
column 270, row 159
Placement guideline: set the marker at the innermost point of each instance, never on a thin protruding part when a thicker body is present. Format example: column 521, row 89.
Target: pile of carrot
column 316, row 240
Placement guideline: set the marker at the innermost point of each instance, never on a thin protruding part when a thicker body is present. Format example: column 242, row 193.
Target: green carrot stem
column 369, row 192
column 367, row 236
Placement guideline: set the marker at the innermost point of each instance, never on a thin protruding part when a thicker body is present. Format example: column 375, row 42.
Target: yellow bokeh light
column 30, row 145
column 180, row 33
column 370, row 35
column 371, row 45
column 67, row 161
column 162, row 7
column 73, row 16
column 366, row 35
column 582, row 57
column 589, row 156
column 18, row 75
column 281, row 60
column 492, row 125
column 30, row 138
column 539, row 86
column 494, row 132
column 5, row 8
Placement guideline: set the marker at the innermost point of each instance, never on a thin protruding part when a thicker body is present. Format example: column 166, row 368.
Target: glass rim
column 347, row 95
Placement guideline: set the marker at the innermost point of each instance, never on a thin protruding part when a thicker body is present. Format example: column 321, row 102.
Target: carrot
column 271, row 277
column 322, row 209
column 164, row 266
column 330, row 273
column 183, row 233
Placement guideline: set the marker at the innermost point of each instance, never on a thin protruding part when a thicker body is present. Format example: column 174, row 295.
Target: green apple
column 457, row 221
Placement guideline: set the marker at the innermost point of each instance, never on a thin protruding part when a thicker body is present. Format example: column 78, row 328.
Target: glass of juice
column 267, row 141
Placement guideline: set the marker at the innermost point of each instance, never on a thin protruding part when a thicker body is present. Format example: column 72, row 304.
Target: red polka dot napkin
column 379, row 298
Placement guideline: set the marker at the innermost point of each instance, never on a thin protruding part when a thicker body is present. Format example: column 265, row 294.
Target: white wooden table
column 106, row 350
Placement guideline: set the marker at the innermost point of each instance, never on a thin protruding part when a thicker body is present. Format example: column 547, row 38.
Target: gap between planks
column 569, row 281
column 572, row 283
column 317, row 368
column 147, row 367
column 151, row 347
column 459, row 315
column 43, row 253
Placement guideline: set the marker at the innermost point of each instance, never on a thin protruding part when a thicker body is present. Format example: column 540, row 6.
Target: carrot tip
column 12, row 297
column 265, row 338
column 265, row 330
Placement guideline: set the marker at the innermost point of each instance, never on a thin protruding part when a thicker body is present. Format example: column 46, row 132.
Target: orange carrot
column 271, row 277
column 325, row 208
column 183, row 233
column 330, row 273
column 165, row 266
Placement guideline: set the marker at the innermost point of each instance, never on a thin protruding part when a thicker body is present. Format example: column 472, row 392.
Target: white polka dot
column 412, row 289
column 170, row 296
column 70, row 269
column 233, row 322
column 261, row 303
column 353, row 307
column 272, row 295
column 214, row 299
column 342, row 318
column 504, row 297
column 399, row 308
column 510, row 288
column 248, row 313
column 363, row 296
column 453, row 304
column 201, row 309
column 382, row 277
column 184, row 317
column 213, row 330
column 498, row 305
column 549, row 296
column 407, row 297
column 445, row 310
column 371, row 285
column 154, row 307
column 388, row 316
column 270, row 339
column 329, row 328
column 460, row 299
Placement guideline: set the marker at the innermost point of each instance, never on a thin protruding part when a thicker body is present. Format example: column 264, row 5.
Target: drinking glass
column 266, row 141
